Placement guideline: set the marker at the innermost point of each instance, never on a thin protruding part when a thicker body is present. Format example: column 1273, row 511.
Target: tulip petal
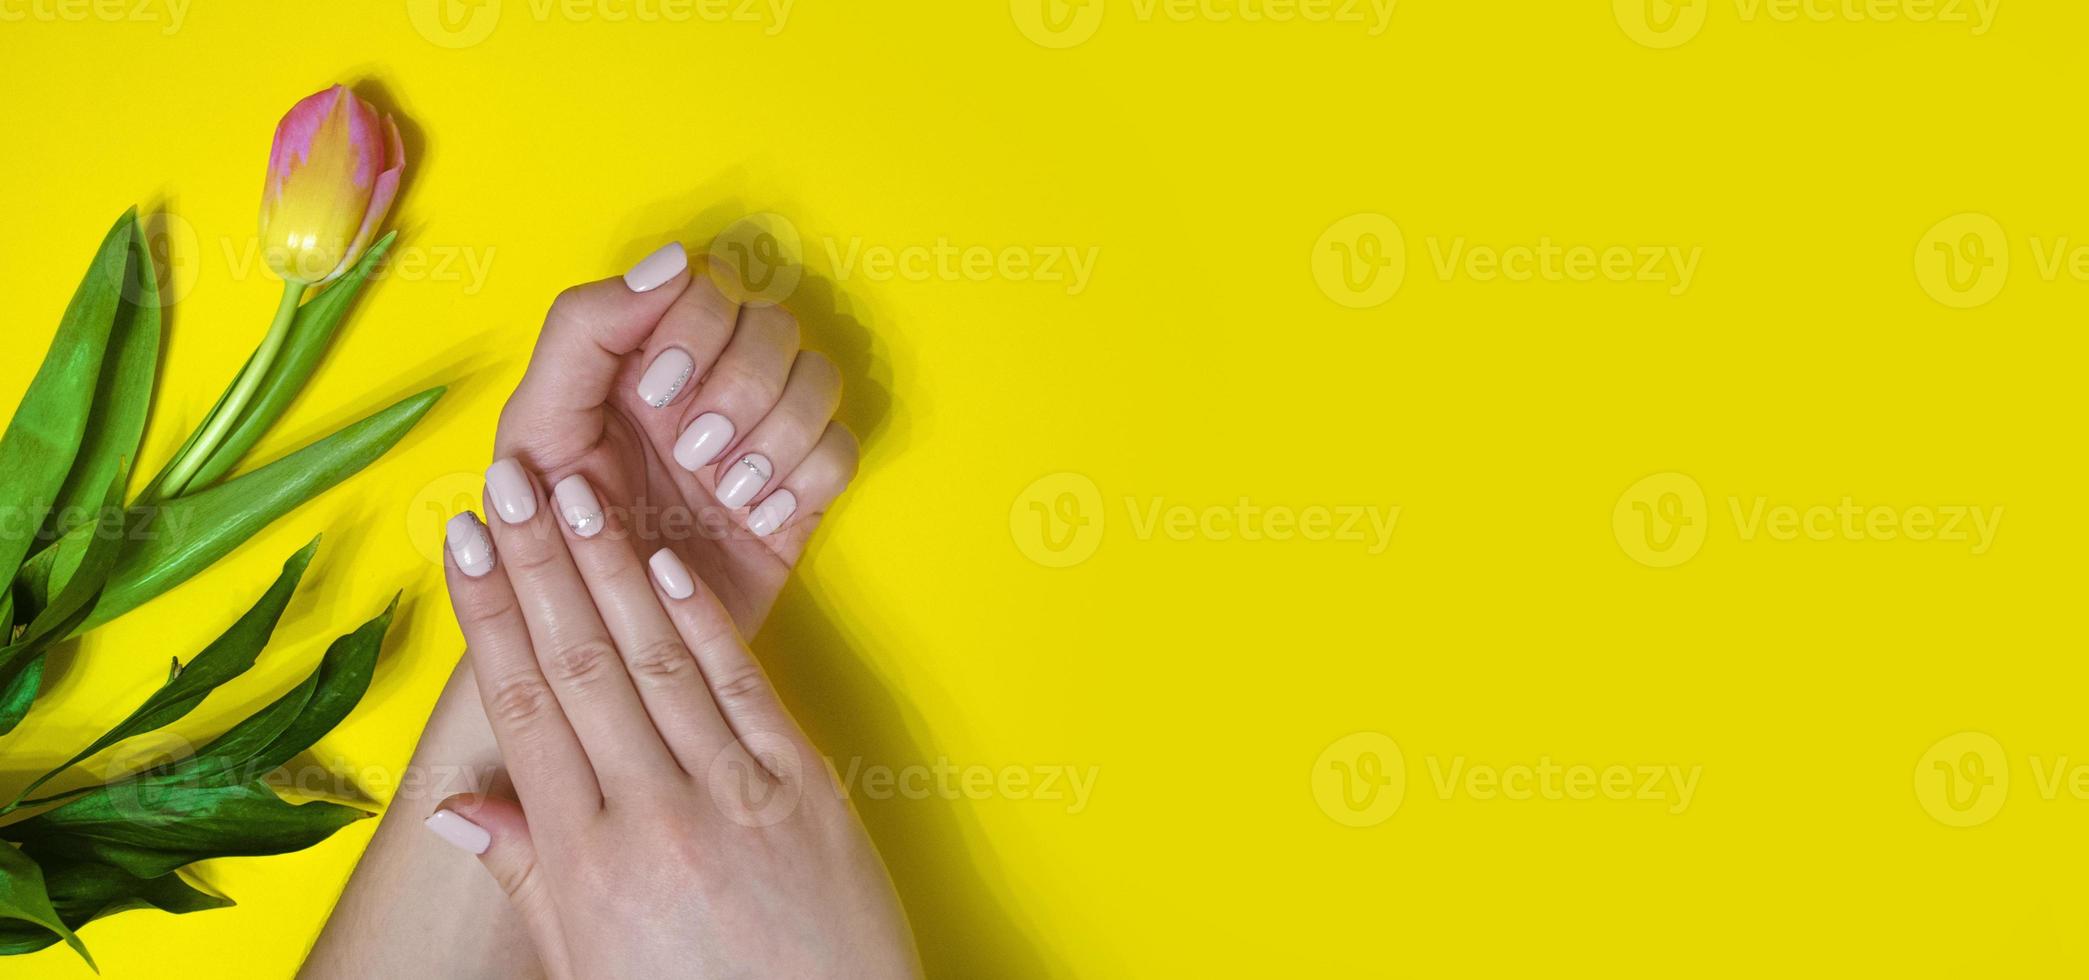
column 293, row 143
column 380, row 197
column 366, row 141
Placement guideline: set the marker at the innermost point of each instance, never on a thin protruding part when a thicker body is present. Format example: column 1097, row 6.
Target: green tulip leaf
column 225, row 658
column 21, row 662
column 293, row 367
column 185, row 536
column 150, row 828
column 276, row 734
column 20, row 693
column 83, row 891
column 25, row 898
column 44, row 435
column 181, row 537
column 116, row 424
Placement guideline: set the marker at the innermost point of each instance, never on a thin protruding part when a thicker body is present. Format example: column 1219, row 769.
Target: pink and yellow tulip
column 332, row 175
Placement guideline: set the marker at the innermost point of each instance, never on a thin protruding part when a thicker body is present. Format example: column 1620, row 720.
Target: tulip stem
column 220, row 421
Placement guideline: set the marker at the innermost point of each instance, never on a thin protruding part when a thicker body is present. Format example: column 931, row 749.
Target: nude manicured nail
column 665, row 378
column 467, row 836
column 470, row 547
column 656, row 269
column 772, row 513
column 509, row 487
column 578, row 505
column 672, row 575
column 744, row 480
column 703, row 441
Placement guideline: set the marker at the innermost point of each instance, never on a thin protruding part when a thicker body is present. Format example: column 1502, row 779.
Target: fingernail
column 470, row 547
column 578, row 505
column 772, row 513
column 656, row 269
column 672, row 575
column 703, row 441
column 513, row 498
column 744, row 480
column 665, row 378
column 467, row 836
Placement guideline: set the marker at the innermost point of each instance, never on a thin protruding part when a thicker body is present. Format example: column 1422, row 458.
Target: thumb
column 495, row 829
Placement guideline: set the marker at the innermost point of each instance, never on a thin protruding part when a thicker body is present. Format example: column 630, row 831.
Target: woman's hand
column 700, row 418
column 677, row 822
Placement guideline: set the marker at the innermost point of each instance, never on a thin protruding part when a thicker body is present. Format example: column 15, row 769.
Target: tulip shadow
column 953, row 903
column 371, row 88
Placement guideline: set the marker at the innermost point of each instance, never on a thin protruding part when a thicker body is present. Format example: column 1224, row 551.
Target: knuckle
column 756, row 387
column 566, row 307
column 777, row 321
column 818, row 368
column 580, row 663
column 661, row 662
column 528, row 554
column 479, row 614
column 740, row 684
column 519, row 701
column 841, row 450
column 517, row 880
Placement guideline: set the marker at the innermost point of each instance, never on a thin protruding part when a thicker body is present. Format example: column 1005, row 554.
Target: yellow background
column 1212, row 358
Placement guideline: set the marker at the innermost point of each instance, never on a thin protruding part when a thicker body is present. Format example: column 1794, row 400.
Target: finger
column 574, row 650
column 556, row 411
column 740, row 389
column 783, row 437
column 661, row 667
column 736, row 681
column 543, row 754
column 496, row 831
column 683, row 347
column 786, row 518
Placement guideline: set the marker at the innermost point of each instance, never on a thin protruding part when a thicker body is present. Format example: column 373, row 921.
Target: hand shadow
column 959, row 922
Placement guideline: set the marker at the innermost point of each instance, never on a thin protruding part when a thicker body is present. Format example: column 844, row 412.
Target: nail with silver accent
column 665, row 378
column 470, row 546
column 743, row 480
column 578, row 505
